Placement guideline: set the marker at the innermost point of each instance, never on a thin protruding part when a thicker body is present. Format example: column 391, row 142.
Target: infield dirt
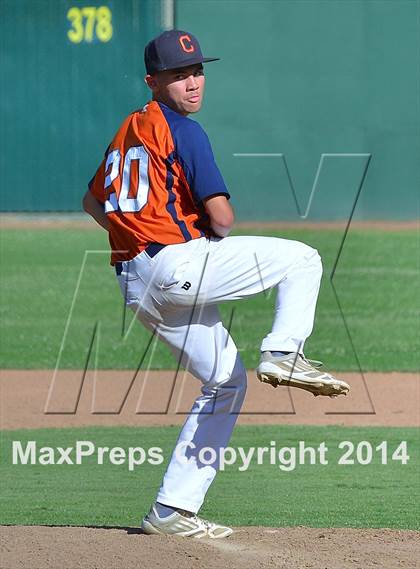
column 160, row 398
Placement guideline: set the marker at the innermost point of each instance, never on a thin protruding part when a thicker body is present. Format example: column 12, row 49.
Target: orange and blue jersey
column 153, row 179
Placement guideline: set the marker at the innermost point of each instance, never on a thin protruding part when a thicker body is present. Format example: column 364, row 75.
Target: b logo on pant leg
column 186, row 285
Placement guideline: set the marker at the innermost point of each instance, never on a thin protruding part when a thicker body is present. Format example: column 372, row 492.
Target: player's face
column 181, row 89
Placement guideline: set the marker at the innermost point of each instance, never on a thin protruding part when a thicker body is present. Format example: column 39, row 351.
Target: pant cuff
column 181, row 504
column 269, row 345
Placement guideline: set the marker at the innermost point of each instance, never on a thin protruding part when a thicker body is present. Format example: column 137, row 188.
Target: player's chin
column 192, row 106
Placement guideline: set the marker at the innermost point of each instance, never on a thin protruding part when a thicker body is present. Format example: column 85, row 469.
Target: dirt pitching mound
column 248, row 548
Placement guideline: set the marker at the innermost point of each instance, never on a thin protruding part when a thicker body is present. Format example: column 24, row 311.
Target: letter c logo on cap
column 186, row 44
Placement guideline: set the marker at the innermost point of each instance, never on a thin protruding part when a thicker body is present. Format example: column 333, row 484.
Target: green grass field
column 376, row 281
column 332, row 495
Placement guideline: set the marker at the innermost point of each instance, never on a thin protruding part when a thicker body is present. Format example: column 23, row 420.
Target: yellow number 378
column 90, row 21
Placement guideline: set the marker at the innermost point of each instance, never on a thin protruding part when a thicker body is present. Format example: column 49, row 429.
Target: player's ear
column 151, row 82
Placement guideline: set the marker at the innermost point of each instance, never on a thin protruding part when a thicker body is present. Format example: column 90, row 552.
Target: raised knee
column 318, row 262
column 313, row 258
column 317, row 259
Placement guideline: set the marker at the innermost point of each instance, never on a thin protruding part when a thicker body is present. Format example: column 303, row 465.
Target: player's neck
column 170, row 106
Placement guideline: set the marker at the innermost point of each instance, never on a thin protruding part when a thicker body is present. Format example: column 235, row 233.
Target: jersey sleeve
column 194, row 152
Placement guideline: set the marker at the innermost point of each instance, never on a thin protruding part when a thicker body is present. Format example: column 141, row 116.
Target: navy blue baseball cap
column 171, row 50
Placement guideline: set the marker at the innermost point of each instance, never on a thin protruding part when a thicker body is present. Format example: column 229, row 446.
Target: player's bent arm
column 221, row 215
column 95, row 209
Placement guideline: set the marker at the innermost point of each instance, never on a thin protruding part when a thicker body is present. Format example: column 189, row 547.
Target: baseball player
column 160, row 195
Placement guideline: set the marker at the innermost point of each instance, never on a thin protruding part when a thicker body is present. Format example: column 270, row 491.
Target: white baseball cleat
column 182, row 524
column 295, row 370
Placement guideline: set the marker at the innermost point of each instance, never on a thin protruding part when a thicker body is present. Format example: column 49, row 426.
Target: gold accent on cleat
column 294, row 370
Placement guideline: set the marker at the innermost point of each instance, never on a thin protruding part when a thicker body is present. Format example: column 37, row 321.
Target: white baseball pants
column 176, row 294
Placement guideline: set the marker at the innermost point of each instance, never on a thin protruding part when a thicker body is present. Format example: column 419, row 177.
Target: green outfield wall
column 305, row 92
column 70, row 72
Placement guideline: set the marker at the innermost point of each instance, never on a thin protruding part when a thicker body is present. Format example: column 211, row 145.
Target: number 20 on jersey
column 134, row 155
